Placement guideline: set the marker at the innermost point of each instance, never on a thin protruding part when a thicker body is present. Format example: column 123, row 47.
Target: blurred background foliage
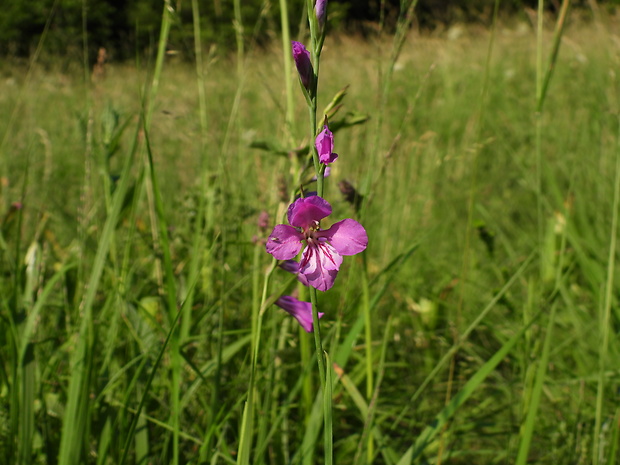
column 129, row 28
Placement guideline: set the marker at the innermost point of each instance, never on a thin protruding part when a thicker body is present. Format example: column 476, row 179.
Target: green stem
column 238, row 23
column 327, row 401
column 369, row 355
column 286, row 47
column 538, row 116
column 315, row 154
column 320, row 357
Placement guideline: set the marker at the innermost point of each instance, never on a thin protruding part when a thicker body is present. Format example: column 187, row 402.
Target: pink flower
column 324, row 144
column 322, row 256
column 302, row 311
column 303, row 63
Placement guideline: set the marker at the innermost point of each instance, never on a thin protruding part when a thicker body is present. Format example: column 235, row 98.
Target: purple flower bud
column 320, row 8
column 324, row 144
column 303, row 63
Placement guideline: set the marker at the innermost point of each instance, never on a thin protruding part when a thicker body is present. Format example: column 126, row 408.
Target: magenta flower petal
column 324, row 144
column 302, row 311
column 348, row 237
column 293, row 267
column 320, row 264
column 306, row 212
column 303, row 63
column 290, row 265
column 284, row 242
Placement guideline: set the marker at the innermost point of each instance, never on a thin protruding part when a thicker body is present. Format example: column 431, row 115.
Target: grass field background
column 490, row 272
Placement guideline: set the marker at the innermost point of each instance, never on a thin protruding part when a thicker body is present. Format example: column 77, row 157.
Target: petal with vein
column 284, row 242
column 348, row 237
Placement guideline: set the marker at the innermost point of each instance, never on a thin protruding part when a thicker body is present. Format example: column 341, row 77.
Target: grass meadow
column 480, row 326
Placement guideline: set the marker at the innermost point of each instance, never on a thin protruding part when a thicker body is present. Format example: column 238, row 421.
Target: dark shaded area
column 431, row 11
column 129, row 28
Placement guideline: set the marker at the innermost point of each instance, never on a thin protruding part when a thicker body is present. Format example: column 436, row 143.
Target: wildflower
column 320, row 8
column 303, row 63
column 324, row 144
column 302, row 311
column 322, row 256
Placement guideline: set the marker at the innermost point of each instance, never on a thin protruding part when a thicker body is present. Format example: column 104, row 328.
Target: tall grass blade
column 366, row 440
column 535, row 396
column 171, row 295
column 147, row 386
column 461, row 397
column 614, row 440
column 388, row 454
column 26, row 363
column 446, row 358
column 327, row 409
column 555, row 48
column 288, row 65
column 605, row 326
column 74, row 436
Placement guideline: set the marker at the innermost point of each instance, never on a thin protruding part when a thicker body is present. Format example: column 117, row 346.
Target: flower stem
column 317, row 335
column 328, row 440
column 315, row 154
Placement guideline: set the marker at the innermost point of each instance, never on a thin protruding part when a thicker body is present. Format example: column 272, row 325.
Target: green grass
column 490, row 274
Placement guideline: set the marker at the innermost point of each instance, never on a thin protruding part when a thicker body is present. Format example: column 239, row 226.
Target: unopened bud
column 303, row 63
column 320, row 8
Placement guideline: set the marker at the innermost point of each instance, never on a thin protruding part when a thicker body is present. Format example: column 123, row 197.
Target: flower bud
column 324, row 144
column 303, row 63
column 320, row 8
